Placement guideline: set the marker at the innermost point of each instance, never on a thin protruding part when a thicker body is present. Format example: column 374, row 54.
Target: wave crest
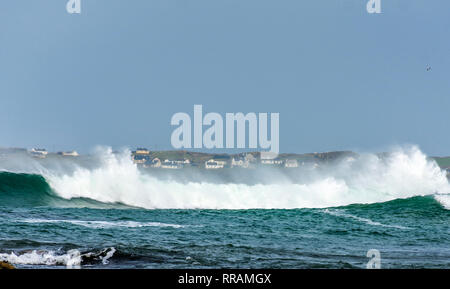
column 370, row 178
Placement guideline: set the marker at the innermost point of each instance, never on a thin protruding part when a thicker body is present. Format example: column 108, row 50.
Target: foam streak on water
column 343, row 214
column 103, row 224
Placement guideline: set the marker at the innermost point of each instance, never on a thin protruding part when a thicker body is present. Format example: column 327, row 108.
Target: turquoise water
column 41, row 230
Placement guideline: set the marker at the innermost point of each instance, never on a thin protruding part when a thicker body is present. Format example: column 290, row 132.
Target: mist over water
column 109, row 177
column 103, row 211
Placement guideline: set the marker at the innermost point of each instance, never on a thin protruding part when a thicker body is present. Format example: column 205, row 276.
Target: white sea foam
column 342, row 213
column 103, row 224
column 367, row 179
column 444, row 200
column 72, row 259
column 104, row 256
column 109, row 254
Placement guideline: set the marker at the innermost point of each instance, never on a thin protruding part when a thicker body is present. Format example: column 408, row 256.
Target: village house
column 291, row 164
column 141, row 156
column 39, row 153
column 214, row 164
column 170, row 164
column 273, row 162
column 154, row 163
column 69, row 154
column 239, row 162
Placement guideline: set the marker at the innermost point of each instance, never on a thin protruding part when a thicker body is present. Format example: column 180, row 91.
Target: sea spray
column 369, row 179
column 444, row 200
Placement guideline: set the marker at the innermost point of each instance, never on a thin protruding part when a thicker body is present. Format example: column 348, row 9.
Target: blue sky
column 341, row 79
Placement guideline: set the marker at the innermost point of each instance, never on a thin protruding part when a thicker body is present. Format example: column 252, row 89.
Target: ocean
column 105, row 212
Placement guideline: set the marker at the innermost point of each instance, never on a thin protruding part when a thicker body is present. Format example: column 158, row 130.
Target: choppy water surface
column 112, row 215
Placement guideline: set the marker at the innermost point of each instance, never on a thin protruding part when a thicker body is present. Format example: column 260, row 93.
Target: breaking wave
column 367, row 179
column 71, row 259
column 444, row 200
